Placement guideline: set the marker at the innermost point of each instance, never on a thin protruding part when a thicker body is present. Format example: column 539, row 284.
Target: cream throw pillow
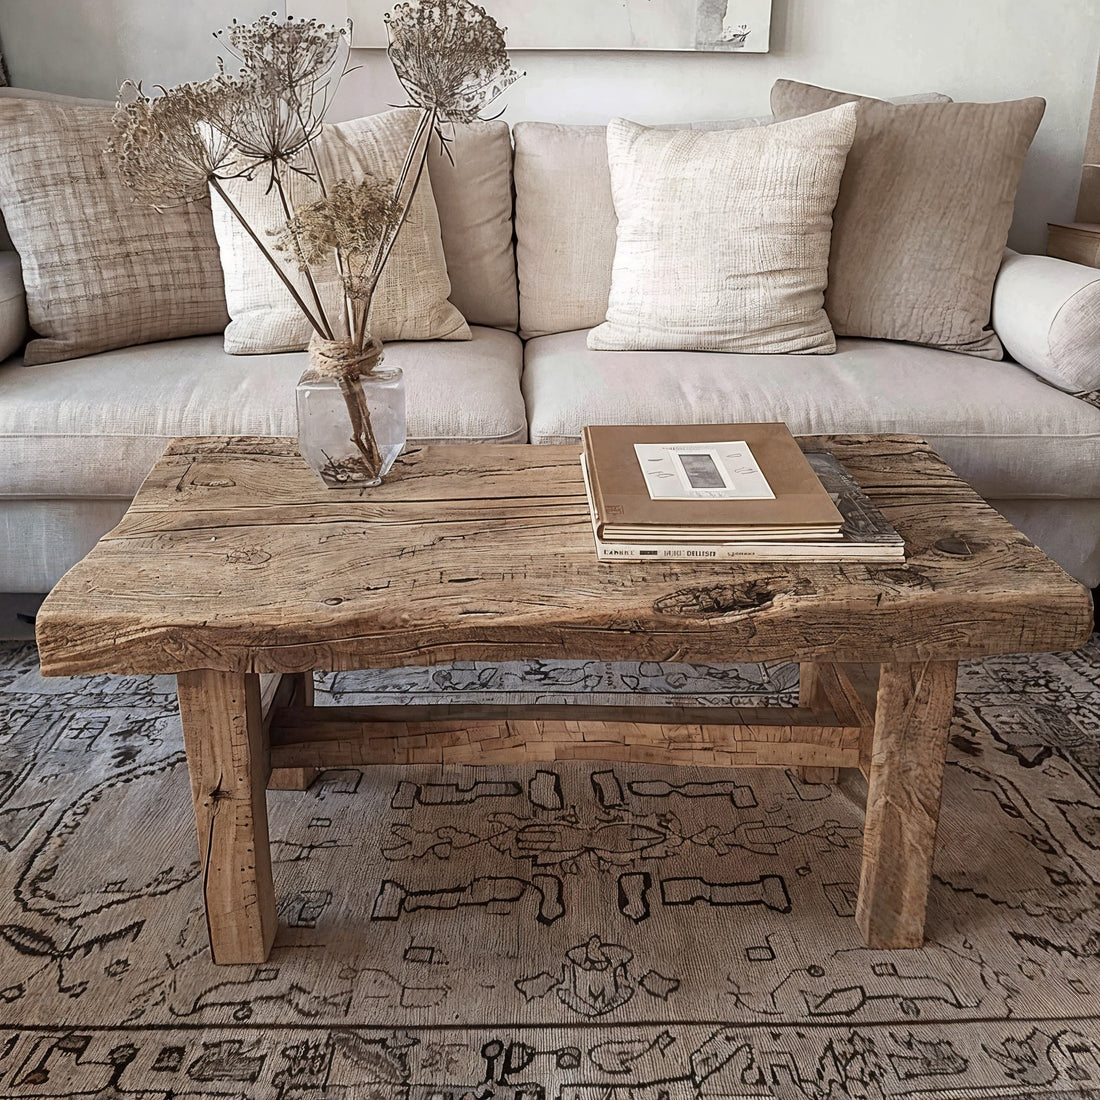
column 723, row 237
column 923, row 215
column 565, row 222
column 411, row 300
column 101, row 269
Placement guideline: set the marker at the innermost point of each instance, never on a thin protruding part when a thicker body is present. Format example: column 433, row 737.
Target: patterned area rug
column 582, row 932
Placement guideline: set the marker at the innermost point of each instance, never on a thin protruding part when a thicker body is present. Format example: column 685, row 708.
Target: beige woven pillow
column 923, row 215
column 723, row 237
column 411, row 300
column 101, row 270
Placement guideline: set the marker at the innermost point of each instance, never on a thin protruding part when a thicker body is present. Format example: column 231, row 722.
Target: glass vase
column 351, row 414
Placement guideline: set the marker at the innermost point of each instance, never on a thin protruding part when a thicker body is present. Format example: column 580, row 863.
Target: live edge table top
column 234, row 557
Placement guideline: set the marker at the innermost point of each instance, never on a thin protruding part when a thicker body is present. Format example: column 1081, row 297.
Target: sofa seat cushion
column 94, row 427
column 1007, row 432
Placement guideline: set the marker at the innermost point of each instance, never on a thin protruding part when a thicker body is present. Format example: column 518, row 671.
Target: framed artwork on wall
column 733, row 26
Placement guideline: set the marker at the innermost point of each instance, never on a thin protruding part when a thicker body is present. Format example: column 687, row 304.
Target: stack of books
column 726, row 492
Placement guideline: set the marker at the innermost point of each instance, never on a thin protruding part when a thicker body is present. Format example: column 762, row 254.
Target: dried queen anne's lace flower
column 298, row 52
column 170, row 146
column 291, row 70
column 178, row 146
column 449, row 56
column 353, row 218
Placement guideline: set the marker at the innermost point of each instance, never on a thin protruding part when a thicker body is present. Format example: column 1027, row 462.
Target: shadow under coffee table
column 237, row 571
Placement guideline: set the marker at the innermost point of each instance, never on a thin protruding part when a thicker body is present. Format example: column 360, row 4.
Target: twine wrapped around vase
column 342, row 362
column 341, row 359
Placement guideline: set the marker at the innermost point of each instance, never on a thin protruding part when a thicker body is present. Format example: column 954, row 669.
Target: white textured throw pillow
column 723, row 238
column 411, row 300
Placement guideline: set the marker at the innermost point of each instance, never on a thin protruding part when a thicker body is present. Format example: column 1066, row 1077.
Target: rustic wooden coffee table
column 236, row 570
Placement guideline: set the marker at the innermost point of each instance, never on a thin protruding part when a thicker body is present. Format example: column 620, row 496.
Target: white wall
column 89, row 47
column 970, row 49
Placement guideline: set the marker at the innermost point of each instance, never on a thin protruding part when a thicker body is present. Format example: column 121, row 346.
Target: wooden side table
column 1076, row 241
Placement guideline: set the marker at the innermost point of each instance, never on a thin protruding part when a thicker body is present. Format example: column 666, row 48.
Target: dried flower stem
column 216, row 184
column 338, row 256
column 288, row 211
column 384, row 253
column 362, row 431
column 335, row 359
column 423, row 135
column 421, row 126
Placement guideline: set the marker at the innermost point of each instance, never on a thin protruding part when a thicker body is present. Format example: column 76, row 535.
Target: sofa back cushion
column 473, row 196
column 565, row 226
column 565, row 219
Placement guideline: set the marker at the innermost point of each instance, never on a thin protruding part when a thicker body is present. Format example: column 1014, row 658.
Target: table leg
column 227, row 757
column 292, row 779
column 912, row 719
column 810, row 694
column 296, row 779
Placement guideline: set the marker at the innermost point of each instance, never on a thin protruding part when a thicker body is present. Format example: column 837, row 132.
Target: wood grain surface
column 223, row 732
column 235, row 557
column 903, row 801
column 295, row 690
column 823, row 736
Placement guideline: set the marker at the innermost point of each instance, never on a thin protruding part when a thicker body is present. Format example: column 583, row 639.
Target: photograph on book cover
column 741, row 26
column 697, row 471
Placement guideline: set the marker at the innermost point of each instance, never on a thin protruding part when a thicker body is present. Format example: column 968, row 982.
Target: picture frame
column 729, row 26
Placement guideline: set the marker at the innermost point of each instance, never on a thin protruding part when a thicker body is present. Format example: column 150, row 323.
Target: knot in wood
column 957, row 546
column 716, row 600
column 250, row 556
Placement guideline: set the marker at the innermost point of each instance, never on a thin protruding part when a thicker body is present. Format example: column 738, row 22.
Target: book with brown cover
column 624, row 506
column 865, row 537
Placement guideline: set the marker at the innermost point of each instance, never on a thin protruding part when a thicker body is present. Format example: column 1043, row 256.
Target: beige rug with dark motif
column 583, row 932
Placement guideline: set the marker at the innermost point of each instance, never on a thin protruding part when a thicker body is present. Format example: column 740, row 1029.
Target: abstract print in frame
column 741, row 26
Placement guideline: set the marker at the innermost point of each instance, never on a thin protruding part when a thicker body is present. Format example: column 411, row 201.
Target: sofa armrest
column 1047, row 313
column 13, row 305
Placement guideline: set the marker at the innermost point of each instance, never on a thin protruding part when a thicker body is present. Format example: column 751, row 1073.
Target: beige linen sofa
column 528, row 230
